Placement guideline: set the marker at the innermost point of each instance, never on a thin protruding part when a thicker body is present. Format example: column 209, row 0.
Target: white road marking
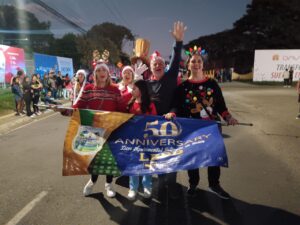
column 17, row 218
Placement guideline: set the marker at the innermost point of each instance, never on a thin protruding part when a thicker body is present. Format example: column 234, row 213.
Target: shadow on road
column 226, row 135
column 205, row 209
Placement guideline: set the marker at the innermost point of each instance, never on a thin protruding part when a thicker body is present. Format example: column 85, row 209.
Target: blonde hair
column 108, row 80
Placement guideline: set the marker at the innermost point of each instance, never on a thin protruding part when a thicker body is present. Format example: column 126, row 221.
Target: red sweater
column 96, row 98
column 136, row 109
column 126, row 95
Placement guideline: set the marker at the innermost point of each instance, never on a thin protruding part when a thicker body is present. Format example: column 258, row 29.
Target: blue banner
column 154, row 145
column 44, row 63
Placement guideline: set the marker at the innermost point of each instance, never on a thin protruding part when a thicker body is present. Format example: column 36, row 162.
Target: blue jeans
column 135, row 180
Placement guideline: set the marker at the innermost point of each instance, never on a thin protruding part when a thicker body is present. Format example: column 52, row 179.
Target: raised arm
column 178, row 31
column 178, row 34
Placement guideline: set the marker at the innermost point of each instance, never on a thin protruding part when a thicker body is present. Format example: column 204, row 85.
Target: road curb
column 10, row 121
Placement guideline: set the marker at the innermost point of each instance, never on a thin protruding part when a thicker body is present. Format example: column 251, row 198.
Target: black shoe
column 219, row 191
column 191, row 191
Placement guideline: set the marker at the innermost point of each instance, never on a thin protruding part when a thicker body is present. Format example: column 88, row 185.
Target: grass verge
column 7, row 102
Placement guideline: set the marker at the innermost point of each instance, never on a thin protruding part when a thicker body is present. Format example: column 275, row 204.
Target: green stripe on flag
column 104, row 163
column 86, row 117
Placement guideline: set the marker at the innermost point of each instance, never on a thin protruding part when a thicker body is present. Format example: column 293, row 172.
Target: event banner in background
column 269, row 65
column 123, row 144
column 44, row 63
column 65, row 65
column 11, row 60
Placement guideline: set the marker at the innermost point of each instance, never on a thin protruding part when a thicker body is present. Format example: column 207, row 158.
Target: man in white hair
column 162, row 85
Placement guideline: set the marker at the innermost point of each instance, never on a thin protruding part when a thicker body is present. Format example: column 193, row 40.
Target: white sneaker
column 131, row 194
column 147, row 193
column 109, row 190
column 88, row 188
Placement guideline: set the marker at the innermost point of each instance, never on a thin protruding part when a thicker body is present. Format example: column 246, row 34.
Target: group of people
column 27, row 93
column 56, row 85
column 288, row 77
column 197, row 97
column 223, row 75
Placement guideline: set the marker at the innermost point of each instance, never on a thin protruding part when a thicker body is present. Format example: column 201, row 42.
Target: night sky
column 148, row 19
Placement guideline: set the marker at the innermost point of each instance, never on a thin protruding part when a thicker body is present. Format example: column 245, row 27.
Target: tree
column 67, row 47
column 24, row 30
column 111, row 37
column 86, row 46
column 116, row 33
column 268, row 24
column 107, row 36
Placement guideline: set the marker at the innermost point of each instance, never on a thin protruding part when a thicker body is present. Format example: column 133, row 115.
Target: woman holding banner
column 201, row 98
column 101, row 95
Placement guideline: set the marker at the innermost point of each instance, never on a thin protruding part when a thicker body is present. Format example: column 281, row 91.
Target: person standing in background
column 36, row 87
column 298, row 91
column 291, row 74
column 18, row 94
column 286, row 76
column 27, row 96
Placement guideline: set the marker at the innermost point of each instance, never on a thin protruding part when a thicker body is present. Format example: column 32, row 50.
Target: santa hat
column 101, row 64
column 127, row 68
column 81, row 71
column 156, row 56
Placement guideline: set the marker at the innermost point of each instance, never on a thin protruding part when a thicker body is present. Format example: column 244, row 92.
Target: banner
column 11, row 60
column 118, row 144
column 44, row 63
column 65, row 66
column 269, row 65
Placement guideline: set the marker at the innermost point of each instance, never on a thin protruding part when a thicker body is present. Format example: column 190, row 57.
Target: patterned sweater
column 96, row 98
column 203, row 100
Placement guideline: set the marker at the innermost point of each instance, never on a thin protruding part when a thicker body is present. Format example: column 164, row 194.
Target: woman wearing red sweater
column 101, row 95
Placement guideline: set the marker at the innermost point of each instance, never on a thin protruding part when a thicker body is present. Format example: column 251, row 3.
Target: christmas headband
column 195, row 51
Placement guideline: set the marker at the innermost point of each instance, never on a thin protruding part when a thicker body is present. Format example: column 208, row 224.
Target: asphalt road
column 263, row 177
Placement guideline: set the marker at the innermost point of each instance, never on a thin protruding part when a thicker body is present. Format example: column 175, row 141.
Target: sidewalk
column 10, row 121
